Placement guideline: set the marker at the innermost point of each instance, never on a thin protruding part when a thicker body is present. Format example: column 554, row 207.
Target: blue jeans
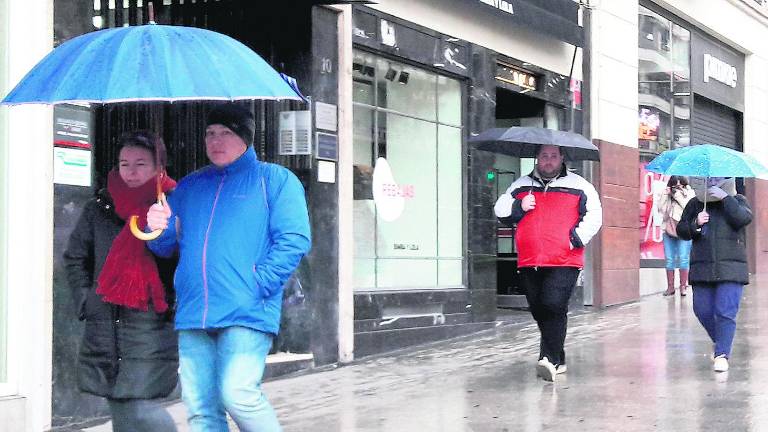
column 221, row 370
column 677, row 252
column 716, row 306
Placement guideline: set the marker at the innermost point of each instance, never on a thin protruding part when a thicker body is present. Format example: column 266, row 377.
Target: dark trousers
column 548, row 290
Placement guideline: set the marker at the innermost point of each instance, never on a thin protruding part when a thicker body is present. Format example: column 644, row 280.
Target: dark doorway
column 512, row 109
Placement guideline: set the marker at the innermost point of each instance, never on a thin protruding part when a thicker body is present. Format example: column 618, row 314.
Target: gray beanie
column 238, row 119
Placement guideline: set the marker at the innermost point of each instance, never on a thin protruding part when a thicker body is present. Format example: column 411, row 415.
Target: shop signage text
column 505, row 6
column 719, row 70
column 518, row 77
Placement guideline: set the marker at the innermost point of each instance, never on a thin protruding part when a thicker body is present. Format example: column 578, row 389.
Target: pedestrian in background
column 718, row 258
column 128, row 352
column 557, row 213
column 241, row 227
column 676, row 250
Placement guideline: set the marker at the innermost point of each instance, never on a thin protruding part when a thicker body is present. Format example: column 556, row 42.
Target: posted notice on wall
column 71, row 166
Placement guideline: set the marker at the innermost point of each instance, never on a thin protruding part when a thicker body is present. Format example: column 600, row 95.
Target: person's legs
column 140, row 415
column 199, row 381
column 556, row 291
column 530, row 281
column 727, row 299
column 684, row 258
column 704, row 307
column 670, row 257
column 242, row 354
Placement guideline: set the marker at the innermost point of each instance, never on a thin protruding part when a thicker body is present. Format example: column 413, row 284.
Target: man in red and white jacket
column 557, row 213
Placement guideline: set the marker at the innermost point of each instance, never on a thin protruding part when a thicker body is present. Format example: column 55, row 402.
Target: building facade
column 25, row 225
column 666, row 74
column 426, row 262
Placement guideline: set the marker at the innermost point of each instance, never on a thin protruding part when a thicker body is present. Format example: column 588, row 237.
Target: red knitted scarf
column 129, row 276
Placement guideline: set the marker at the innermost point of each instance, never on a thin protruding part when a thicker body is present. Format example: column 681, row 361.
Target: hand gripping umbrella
column 150, row 63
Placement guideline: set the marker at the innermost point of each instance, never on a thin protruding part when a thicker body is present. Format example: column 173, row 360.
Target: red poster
column 651, row 188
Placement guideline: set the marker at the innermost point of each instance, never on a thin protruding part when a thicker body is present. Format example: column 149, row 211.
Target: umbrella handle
column 141, row 235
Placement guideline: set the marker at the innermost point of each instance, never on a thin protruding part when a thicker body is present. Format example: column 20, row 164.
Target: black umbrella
column 525, row 142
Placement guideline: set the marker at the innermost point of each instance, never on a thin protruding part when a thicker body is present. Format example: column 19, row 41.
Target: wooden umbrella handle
column 133, row 223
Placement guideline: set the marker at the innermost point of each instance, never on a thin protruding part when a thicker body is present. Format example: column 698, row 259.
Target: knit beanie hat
column 238, row 119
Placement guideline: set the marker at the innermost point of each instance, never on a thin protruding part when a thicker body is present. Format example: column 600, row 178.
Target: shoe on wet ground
column 546, row 370
column 721, row 363
column 561, row 369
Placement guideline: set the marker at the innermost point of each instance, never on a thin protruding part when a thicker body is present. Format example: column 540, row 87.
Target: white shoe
column 721, row 363
column 546, row 370
column 561, row 369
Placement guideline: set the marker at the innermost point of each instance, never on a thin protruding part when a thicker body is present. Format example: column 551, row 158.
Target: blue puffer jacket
column 241, row 232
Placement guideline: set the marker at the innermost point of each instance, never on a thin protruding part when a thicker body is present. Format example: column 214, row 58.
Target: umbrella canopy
column 525, row 142
column 150, row 63
column 706, row 160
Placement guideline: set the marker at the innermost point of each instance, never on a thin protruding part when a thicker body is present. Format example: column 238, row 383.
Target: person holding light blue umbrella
column 715, row 220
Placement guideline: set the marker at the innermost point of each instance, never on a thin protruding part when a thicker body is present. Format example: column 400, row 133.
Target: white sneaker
column 546, row 370
column 561, row 369
column 721, row 363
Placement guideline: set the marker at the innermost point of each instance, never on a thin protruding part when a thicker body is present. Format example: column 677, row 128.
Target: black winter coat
column 720, row 254
column 125, row 353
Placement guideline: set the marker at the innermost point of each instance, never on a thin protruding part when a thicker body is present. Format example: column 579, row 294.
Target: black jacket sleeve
column 737, row 212
column 79, row 258
column 687, row 228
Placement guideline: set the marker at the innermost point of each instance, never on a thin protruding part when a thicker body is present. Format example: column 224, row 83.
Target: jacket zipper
column 205, row 250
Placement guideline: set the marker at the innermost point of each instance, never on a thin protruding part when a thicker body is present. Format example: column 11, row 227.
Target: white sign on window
column 389, row 206
column 71, row 166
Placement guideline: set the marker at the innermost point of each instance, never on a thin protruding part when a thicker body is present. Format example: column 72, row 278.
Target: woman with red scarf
column 124, row 294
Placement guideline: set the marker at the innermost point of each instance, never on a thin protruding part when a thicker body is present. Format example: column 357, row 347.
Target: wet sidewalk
column 640, row 367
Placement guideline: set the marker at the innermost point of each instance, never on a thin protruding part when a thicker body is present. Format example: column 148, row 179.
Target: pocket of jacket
column 80, row 306
column 257, row 290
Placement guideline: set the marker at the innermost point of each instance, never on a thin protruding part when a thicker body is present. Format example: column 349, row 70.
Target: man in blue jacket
column 241, row 227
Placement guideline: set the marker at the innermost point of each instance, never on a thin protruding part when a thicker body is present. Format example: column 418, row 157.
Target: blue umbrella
column 706, row 160
column 150, row 63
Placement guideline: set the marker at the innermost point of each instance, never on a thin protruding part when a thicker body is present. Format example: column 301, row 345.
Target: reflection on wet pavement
column 640, row 367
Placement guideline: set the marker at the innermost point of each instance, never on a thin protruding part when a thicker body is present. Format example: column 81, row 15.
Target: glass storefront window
column 663, row 83
column 664, row 112
column 406, row 90
column 412, row 118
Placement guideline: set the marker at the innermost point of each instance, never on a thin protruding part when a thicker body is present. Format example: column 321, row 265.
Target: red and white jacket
column 566, row 217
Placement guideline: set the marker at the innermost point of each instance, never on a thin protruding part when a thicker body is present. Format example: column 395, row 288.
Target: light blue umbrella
column 150, row 63
column 706, row 160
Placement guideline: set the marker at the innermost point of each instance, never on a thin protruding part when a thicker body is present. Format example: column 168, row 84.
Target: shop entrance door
column 512, row 109
column 516, row 109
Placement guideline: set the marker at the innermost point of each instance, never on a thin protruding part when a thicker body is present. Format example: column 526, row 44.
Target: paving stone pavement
column 644, row 366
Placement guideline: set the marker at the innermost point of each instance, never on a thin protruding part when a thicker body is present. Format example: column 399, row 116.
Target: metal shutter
column 714, row 123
